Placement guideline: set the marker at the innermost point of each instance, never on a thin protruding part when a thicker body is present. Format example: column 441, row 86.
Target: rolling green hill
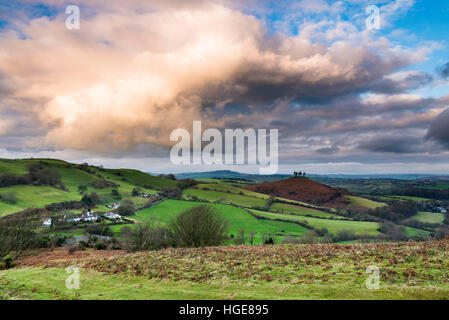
column 236, row 217
column 72, row 176
column 333, row 226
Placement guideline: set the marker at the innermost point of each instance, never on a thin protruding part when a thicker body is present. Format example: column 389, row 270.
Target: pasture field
column 34, row 197
column 322, row 271
column 366, row 203
column 302, row 211
column 416, row 232
column 429, row 217
column 231, row 189
column 224, row 197
column 31, row 196
column 333, row 226
column 236, row 217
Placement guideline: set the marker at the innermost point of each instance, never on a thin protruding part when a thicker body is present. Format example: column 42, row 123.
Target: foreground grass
column 324, row 271
column 49, row 284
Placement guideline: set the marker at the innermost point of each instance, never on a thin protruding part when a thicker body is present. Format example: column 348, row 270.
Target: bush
column 9, row 197
column 268, row 239
column 345, row 235
column 115, row 194
column 126, row 208
column 16, row 235
column 102, row 184
column 199, row 226
column 309, row 237
column 171, row 192
column 289, row 239
column 240, row 239
column 146, row 236
column 7, row 262
column 100, row 230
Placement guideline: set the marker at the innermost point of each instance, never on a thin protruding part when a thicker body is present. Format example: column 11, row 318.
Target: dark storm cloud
column 393, row 144
column 444, row 71
column 330, row 150
column 439, row 129
column 410, row 81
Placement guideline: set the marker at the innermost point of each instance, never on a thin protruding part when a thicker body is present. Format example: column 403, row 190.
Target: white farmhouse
column 47, row 222
column 112, row 215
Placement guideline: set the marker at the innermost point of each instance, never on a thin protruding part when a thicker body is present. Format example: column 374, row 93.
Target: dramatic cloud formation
column 439, row 129
column 136, row 70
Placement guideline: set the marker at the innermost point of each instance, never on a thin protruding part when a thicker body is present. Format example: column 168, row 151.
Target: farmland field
column 224, row 197
column 362, row 202
column 236, row 217
column 429, row 217
column 333, row 226
column 288, row 208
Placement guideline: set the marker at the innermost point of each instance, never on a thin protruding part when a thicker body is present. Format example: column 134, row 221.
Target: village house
column 442, row 210
column 113, row 205
column 89, row 216
column 46, row 222
column 112, row 216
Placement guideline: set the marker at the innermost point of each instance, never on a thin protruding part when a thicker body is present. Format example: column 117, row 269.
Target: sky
column 345, row 98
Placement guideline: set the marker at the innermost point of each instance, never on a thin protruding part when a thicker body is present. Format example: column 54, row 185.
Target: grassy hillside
column 236, row 217
column 324, row 271
column 333, row 226
column 73, row 176
column 429, row 217
column 365, row 203
column 224, row 197
column 302, row 211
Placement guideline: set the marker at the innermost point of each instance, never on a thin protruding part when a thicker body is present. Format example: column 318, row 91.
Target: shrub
column 16, row 235
column 309, row 237
column 171, row 192
column 126, row 208
column 345, row 235
column 146, row 236
column 100, row 230
column 7, row 262
column 102, row 184
column 199, row 226
column 290, row 239
column 115, row 194
column 240, row 239
column 9, row 197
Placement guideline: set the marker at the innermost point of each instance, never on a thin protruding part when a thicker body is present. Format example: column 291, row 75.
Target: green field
column 236, row 217
column 231, row 189
column 30, row 196
column 333, row 226
column 326, row 271
column 429, row 217
column 302, row 211
column 366, row 203
column 223, row 197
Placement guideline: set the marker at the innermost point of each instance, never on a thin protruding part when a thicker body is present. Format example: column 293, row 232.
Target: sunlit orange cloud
column 129, row 78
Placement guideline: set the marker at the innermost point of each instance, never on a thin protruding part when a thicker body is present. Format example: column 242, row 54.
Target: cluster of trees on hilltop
column 38, row 174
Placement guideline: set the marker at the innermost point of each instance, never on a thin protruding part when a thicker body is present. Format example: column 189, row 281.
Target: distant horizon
column 250, row 169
